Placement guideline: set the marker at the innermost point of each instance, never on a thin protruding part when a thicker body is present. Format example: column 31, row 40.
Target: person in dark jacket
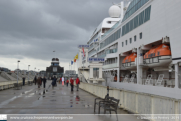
column 38, row 82
column 35, row 80
column 54, row 82
column 67, row 82
column 41, row 81
column 44, row 82
column 23, row 81
column 72, row 84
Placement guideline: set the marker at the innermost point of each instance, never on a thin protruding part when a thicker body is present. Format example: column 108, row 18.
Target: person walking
column 67, row 82
column 77, row 83
column 72, row 84
column 35, row 80
column 39, row 82
column 62, row 81
column 23, row 80
column 55, row 79
column 44, row 82
column 53, row 82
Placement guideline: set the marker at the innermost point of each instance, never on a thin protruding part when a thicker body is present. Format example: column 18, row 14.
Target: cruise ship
column 141, row 47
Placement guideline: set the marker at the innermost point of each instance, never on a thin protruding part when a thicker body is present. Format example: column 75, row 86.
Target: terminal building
column 55, row 69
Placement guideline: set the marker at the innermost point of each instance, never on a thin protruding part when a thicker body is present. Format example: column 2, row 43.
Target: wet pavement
column 60, row 100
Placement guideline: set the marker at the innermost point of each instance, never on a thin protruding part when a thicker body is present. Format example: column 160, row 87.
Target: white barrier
column 10, row 84
column 138, row 103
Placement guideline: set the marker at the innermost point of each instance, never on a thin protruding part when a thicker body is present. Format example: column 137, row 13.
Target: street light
column 28, row 72
column 107, row 82
column 34, row 71
column 17, row 70
column 38, row 72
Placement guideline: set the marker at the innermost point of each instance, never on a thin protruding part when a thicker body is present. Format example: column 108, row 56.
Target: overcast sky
column 30, row 30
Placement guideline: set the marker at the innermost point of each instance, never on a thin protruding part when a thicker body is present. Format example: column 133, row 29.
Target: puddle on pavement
column 8, row 101
column 86, row 106
column 77, row 98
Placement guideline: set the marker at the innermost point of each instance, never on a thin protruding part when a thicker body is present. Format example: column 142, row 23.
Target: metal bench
column 111, row 104
column 96, row 102
column 17, row 85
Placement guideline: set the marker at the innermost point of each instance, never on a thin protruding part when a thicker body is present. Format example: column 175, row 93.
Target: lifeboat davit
column 159, row 55
column 129, row 61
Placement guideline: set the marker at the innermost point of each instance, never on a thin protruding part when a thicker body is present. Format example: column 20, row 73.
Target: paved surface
column 60, row 100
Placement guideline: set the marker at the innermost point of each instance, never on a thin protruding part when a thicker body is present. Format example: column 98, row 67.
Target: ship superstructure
column 142, row 51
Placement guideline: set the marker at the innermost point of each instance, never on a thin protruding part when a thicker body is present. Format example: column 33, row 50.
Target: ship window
column 147, row 14
column 130, row 40
column 135, row 38
column 141, row 18
column 141, row 35
column 136, row 22
column 122, row 44
column 158, row 53
column 126, row 42
column 133, row 7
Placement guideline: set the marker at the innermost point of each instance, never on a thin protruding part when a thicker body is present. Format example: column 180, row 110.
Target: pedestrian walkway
column 60, row 100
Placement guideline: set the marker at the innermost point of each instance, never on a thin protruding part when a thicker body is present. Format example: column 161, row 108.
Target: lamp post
column 107, row 83
column 54, row 53
column 38, row 72
column 28, row 72
column 17, row 71
column 34, row 72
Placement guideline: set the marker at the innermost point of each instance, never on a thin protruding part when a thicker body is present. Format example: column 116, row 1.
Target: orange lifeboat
column 129, row 61
column 159, row 55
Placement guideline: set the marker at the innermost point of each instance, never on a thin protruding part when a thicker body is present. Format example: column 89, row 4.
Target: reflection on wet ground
column 60, row 100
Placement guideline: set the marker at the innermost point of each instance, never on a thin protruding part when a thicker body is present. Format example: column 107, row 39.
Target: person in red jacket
column 77, row 83
column 67, row 82
column 72, row 83
column 60, row 80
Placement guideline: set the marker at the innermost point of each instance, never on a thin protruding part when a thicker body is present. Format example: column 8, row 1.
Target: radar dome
column 114, row 11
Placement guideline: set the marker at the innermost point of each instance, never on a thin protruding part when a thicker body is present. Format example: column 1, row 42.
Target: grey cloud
column 33, row 29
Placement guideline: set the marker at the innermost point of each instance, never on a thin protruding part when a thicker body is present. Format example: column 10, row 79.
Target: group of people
column 72, row 83
column 43, row 80
column 39, row 81
column 62, row 80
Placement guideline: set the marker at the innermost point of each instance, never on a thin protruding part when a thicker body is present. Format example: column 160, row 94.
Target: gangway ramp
column 85, row 75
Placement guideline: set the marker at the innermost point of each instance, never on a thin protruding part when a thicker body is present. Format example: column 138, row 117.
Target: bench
column 17, row 85
column 111, row 104
column 96, row 102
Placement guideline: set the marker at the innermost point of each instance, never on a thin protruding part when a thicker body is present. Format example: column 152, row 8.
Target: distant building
column 4, row 69
column 70, row 73
column 55, row 69
column 42, row 73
